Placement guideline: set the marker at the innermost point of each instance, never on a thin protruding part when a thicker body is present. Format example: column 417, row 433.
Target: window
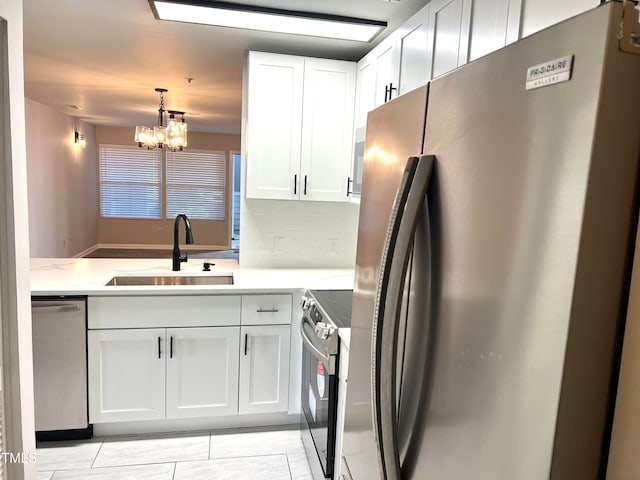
column 130, row 182
column 196, row 184
column 235, row 202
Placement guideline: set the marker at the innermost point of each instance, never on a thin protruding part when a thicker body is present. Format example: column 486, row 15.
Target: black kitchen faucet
column 177, row 258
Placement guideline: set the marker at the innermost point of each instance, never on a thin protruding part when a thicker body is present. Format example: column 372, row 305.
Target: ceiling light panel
column 268, row 19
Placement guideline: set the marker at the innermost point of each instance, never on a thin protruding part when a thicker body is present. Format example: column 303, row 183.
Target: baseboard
column 138, row 246
column 86, row 252
column 230, row 422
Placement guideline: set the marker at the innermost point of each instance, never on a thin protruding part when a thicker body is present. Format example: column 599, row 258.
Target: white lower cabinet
column 202, row 371
column 237, row 365
column 126, row 374
column 151, row 374
column 264, row 369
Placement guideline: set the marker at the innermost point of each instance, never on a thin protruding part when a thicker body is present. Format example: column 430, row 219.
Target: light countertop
column 87, row 276
column 345, row 337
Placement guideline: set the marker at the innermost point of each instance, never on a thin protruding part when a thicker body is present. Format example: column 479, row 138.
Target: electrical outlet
column 278, row 245
column 333, row 245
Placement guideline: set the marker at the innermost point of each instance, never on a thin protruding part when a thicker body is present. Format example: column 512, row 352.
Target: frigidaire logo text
column 548, row 68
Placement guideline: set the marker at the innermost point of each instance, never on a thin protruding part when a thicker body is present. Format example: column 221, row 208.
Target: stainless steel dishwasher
column 60, row 366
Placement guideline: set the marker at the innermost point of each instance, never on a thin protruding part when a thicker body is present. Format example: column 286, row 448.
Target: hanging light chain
column 161, row 109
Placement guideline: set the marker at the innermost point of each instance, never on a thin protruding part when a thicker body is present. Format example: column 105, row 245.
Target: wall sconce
column 79, row 139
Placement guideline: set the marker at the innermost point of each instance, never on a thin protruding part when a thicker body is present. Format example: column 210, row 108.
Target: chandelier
column 172, row 133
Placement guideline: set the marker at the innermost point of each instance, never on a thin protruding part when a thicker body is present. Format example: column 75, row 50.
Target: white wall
column 298, row 234
column 540, row 14
column 63, row 202
column 15, row 313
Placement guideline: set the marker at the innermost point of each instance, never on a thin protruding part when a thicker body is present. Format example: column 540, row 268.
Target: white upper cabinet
column 449, row 25
column 365, row 90
column 540, row 14
column 494, row 24
column 386, row 68
column 440, row 37
column 299, row 127
column 412, row 40
column 327, row 128
column 377, row 78
column 274, row 125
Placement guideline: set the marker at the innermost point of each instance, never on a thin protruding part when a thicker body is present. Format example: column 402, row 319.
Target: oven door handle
column 315, row 351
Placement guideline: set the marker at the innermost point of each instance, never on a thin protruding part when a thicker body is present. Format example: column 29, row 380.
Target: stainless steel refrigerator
column 496, row 237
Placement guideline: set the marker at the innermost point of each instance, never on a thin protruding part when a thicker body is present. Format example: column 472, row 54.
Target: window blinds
column 130, row 182
column 196, row 184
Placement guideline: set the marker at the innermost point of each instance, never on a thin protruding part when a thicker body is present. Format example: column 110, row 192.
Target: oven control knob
column 307, row 303
column 324, row 330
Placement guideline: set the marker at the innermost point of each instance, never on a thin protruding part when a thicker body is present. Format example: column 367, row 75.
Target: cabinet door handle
column 246, row 341
column 159, row 351
column 388, row 92
column 305, row 184
column 295, row 184
column 349, row 182
column 267, row 310
column 171, row 346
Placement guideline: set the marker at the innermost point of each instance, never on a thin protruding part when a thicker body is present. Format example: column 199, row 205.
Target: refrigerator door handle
column 407, row 206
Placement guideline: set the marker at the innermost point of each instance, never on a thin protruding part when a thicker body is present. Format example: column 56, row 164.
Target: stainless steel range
column 324, row 311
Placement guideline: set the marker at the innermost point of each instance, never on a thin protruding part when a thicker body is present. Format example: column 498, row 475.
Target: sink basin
column 128, row 281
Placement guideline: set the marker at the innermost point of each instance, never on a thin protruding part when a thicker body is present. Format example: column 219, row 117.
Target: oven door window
column 318, row 393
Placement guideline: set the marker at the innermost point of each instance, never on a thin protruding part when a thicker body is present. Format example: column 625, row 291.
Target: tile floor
column 236, row 455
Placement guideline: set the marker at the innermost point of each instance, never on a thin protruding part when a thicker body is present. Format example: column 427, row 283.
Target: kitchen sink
column 128, row 281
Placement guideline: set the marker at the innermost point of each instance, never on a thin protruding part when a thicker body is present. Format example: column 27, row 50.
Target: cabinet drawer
column 266, row 309
column 163, row 311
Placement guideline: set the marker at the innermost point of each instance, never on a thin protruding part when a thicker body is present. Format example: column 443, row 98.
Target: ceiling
column 108, row 56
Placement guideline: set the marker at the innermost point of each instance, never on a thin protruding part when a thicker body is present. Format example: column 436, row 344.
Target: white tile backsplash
column 278, row 233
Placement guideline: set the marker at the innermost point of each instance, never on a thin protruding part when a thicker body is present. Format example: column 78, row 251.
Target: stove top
column 336, row 304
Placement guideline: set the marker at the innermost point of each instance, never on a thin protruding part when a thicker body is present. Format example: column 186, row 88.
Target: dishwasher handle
column 71, row 307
